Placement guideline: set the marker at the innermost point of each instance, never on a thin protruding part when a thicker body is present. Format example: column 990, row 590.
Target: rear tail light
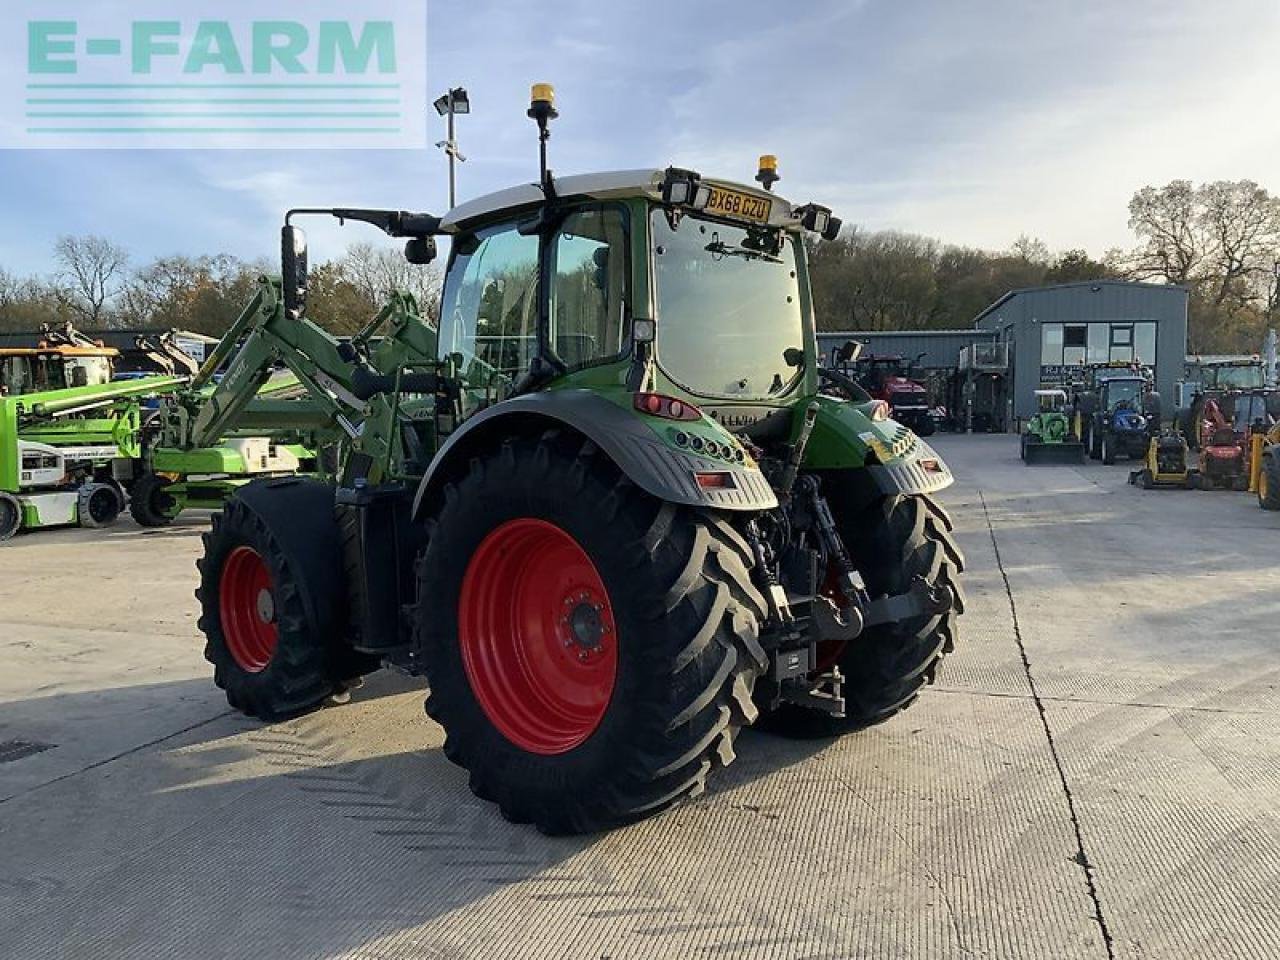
column 714, row 481
column 669, row 408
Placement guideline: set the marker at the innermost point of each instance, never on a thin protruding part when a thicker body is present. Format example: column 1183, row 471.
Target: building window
column 1121, row 344
column 1099, row 343
column 1051, row 345
column 1075, row 338
column 1144, row 343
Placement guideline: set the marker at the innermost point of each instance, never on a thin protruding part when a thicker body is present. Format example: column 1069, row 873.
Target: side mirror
column 293, row 270
column 420, row 250
column 850, row 352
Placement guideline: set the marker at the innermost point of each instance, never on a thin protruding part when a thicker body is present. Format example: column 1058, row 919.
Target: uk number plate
column 738, row 205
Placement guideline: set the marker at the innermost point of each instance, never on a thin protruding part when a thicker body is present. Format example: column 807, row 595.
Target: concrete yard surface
column 1096, row 773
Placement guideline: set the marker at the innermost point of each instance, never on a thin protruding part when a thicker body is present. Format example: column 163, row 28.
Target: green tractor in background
column 1048, row 436
column 619, row 513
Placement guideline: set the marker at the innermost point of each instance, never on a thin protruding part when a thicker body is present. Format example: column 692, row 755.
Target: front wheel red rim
column 538, row 636
column 246, row 606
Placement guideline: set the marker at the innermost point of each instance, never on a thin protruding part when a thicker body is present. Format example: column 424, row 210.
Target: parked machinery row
column 1224, row 436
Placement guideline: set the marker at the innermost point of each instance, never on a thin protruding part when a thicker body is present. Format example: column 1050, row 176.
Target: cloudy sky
column 973, row 122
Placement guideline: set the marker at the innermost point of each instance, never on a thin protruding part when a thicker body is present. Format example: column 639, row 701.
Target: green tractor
column 620, row 514
column 1048, row 437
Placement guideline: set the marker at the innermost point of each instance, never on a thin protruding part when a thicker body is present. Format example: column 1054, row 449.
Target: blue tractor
column 1113, row 410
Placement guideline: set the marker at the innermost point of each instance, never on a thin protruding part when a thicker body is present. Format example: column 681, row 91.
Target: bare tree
column 28, row 302
column 1169, row 228
column 1241, row 223
column 378, row 271
column 1032, row 249
column 93, row 269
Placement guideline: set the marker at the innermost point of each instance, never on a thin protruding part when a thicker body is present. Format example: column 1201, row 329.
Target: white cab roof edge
column 600, row 186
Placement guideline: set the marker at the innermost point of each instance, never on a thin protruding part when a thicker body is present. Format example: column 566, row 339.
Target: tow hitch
column 791, row 668
column 830, row 622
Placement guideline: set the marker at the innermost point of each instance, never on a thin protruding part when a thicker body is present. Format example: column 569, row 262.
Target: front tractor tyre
column 149, row 502
column 892, row 541
column 273, row 600
column 591, row 650
column 1107, row 449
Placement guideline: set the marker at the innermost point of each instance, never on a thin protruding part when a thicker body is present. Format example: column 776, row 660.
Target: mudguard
column 846, row 438
column 630, row 439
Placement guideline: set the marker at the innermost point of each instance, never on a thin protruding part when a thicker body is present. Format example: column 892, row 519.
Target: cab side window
column 589, row 287
column 490, row 308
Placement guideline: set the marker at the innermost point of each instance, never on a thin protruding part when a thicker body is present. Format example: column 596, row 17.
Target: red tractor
column 888, row 378
column 1225, row 426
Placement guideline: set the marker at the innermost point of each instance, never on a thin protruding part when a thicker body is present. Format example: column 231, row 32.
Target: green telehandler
column 616, row 512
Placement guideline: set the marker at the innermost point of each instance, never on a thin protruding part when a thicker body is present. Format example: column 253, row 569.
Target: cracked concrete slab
column 162, row 826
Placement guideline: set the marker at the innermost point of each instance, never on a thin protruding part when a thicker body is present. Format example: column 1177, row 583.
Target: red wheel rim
column 538, row 636
column 246, row 605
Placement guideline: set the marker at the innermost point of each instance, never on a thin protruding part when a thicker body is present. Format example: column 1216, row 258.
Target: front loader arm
column 264, row 335
column 261, row 337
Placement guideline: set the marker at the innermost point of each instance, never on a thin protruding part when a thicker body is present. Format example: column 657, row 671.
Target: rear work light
column 669, row 408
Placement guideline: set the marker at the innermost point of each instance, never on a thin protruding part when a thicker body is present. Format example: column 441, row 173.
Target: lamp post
column 454, row 102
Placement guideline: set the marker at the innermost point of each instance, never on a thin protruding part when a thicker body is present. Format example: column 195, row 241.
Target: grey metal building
column 940, row 348
column 1050, row 330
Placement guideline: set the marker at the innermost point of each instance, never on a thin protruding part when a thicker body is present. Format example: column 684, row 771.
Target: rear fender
column 894, row 459
column 631, row 440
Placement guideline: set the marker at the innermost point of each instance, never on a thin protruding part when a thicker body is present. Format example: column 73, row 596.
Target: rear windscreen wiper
column 721, row 249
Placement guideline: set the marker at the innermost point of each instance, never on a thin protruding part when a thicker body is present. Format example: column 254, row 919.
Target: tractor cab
column 1119, row 394
column 664, row 279
column 54, row 367
column 1051, row 401
column 1224, row 375
column 1255, row 412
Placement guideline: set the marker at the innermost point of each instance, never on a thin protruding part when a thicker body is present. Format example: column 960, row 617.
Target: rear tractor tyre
column 891, row 541
column 273, row 600
column 149, row 504
column 591, row 650
column 10, row 516
column 98, row 505
column 1269, row 481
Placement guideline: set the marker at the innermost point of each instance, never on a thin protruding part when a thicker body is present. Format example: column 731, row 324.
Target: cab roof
column 607, row 185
